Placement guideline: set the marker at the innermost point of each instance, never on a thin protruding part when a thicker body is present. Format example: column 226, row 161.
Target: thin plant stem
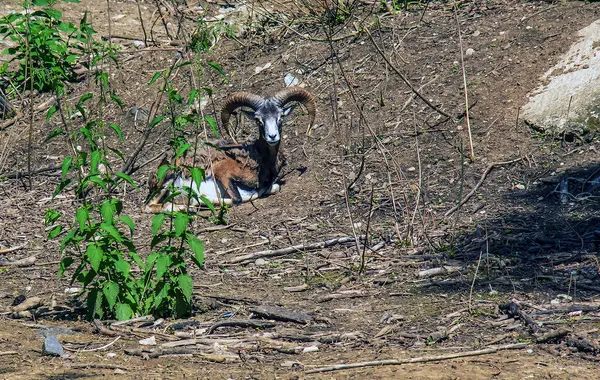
column 464, row 73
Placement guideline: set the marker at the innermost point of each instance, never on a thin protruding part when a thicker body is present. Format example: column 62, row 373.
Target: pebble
column 310, row 349
column 148, row 341
column 260, row 262
column 469, row 51
column 52, row 347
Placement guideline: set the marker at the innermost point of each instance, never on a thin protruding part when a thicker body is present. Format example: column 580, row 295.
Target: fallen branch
column 279, row 314
column 17, row 175
column 160, row 352
column 292, row 249
column 242, row 323
column 9, row 250
column 98, row 366
column 28, row 261
column 423, row 359
column 93, row 349
column 553, row 335
column 478, row 185
column 5, row 353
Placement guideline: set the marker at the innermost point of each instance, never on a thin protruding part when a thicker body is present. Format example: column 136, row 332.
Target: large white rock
column 575, row 79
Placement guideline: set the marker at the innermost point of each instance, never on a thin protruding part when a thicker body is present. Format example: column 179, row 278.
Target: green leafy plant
column 99, row 242
column 46, row 48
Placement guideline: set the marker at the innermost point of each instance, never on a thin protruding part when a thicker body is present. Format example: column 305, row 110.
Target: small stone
column 148, row 341
column 476, row 33
column 411, row 169
column 469, row 52
column 260, row 262
column 291, row 363
column 111, row 355
column 52, row 347
column 310, row 349
column 520, row 186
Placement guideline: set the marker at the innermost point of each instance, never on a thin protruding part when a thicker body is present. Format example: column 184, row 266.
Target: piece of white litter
column 310, row 349
column 290, row 80
column 148, row 341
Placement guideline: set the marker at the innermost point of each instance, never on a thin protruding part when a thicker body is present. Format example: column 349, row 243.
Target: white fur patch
column 216, row 194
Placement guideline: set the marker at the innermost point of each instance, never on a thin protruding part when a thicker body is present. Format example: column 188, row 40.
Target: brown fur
column 232, row 164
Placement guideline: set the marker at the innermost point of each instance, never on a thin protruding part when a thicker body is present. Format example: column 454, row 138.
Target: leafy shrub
column 45, row 47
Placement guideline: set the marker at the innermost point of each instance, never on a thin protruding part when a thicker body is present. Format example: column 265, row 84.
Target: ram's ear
column 287, row 110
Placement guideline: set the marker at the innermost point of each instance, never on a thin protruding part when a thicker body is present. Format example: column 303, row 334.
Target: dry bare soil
column 515, row 239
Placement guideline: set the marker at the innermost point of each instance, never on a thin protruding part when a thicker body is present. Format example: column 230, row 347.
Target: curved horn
column 237, row 100
column 298, row 94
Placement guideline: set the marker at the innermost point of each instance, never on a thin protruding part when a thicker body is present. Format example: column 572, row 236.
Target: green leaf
column 118, row 153
column 51, row 217
column 162, row 294
column 181, row 223
column 216, row 67
column 65, row 166
column 111, row 292
column 64, row 264
column 81, row 111
column 157, row 222
column 122, row 267
column 197, row 247
column 53, row 134
column 126, row 178
column 51, row 111
column 151, row 259
column 123, row 312
column 208, row 90
column 154, row 78
column 155, row 121
column 95, row 256
column 116, row 99
column 208, row 203
column 161, row 172
column 68, row 239
column 192, row 97
column 197, row 175
column 94, row 304
column 98, row 181
column 66, row 27
column 54, row 232
column 182, row 64
column 129, row 222
column 108, row 211
column 184, row 281
column 40, row 3
column 84, row 98
column 182, row 149
column 112, row 231
column 162, row 265
column 117, row 130
column 82, row 217
column 137, row 260
column 54, row 13
column 213, row 125
column 95, row 160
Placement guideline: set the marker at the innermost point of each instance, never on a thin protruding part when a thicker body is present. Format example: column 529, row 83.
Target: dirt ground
column 515, row 240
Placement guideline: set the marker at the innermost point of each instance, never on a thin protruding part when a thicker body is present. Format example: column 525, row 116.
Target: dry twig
column 423, row 359
column 478, row 185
